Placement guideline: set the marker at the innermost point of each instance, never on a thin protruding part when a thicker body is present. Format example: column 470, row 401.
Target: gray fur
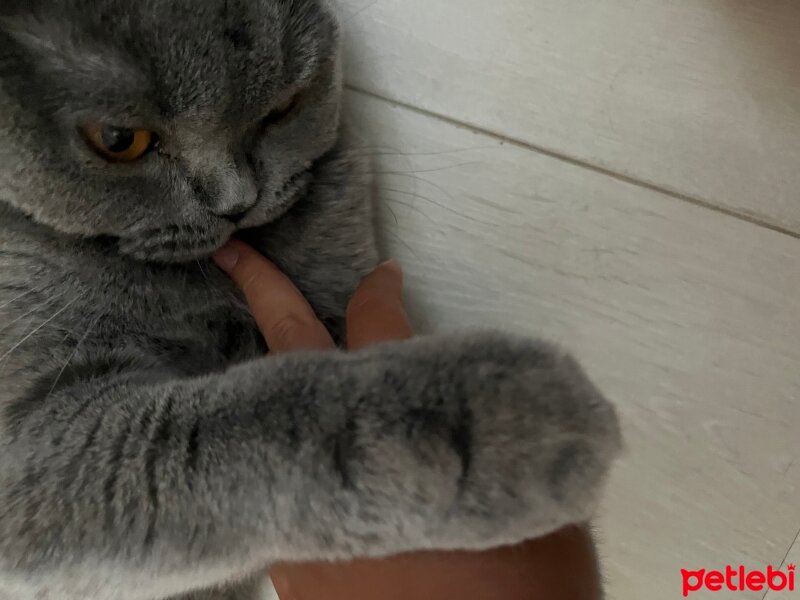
column 147, row 448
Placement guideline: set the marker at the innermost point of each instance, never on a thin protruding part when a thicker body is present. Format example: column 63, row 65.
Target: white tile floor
column 622, row 176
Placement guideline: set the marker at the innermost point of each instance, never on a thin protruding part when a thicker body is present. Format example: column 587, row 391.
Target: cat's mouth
column 271, row 206
column 176, row 244
column 185, row 243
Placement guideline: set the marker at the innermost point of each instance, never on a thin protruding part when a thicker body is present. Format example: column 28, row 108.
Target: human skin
column 561, row 566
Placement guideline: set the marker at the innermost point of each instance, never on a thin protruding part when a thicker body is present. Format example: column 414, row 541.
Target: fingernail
column 391, row 264
column 226, row 258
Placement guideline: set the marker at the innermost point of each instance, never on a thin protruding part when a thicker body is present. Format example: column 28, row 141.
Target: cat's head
column 168, row 124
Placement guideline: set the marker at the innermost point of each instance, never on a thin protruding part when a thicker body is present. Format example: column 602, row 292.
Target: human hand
column 287, row 321
column 561, row 566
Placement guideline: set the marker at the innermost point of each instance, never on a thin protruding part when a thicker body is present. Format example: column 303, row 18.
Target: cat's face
column 168, row 124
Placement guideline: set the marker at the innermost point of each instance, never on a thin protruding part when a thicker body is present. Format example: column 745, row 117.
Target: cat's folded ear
column 14, row 40
column 10, row 8
column 25, row 36
column 57, row 44
column 37, row 45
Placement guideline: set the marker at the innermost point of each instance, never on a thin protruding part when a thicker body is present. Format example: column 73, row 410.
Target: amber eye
column 281, row 112
column 119, row 144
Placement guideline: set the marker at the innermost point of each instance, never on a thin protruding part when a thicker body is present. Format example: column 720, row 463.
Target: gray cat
column 148, row 448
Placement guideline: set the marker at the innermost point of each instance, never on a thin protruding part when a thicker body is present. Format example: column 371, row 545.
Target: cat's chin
column 177, row 244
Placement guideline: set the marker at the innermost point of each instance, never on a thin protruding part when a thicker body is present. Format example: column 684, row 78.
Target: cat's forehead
column 182, row 56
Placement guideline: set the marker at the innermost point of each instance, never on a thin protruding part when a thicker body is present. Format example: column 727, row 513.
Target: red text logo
column 738, row 580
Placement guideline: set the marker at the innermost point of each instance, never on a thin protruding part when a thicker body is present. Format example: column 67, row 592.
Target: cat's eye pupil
column 118, row 139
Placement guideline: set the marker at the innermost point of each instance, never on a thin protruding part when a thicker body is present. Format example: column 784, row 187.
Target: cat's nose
column 231, row 196
column 234, row 211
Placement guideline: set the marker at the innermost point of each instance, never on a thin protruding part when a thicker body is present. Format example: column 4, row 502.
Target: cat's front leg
column 133, row 486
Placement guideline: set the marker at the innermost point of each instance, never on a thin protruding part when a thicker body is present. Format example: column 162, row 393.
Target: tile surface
column 701, row 97
column 623, row 177
column 687, row 318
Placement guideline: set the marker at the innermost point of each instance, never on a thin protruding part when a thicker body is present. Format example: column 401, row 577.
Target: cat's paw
column 542, row 441
column 500, row 439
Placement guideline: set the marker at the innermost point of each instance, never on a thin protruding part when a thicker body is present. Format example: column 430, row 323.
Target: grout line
column 783, row 562
column 582, row 164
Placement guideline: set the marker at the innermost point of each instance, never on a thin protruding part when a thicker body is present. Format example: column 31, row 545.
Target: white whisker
column 69, row 360
column 394, row 152
column 32, row 333
column 415, row 171
column 31, row 311
column 23, row 295
column 200, row 266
